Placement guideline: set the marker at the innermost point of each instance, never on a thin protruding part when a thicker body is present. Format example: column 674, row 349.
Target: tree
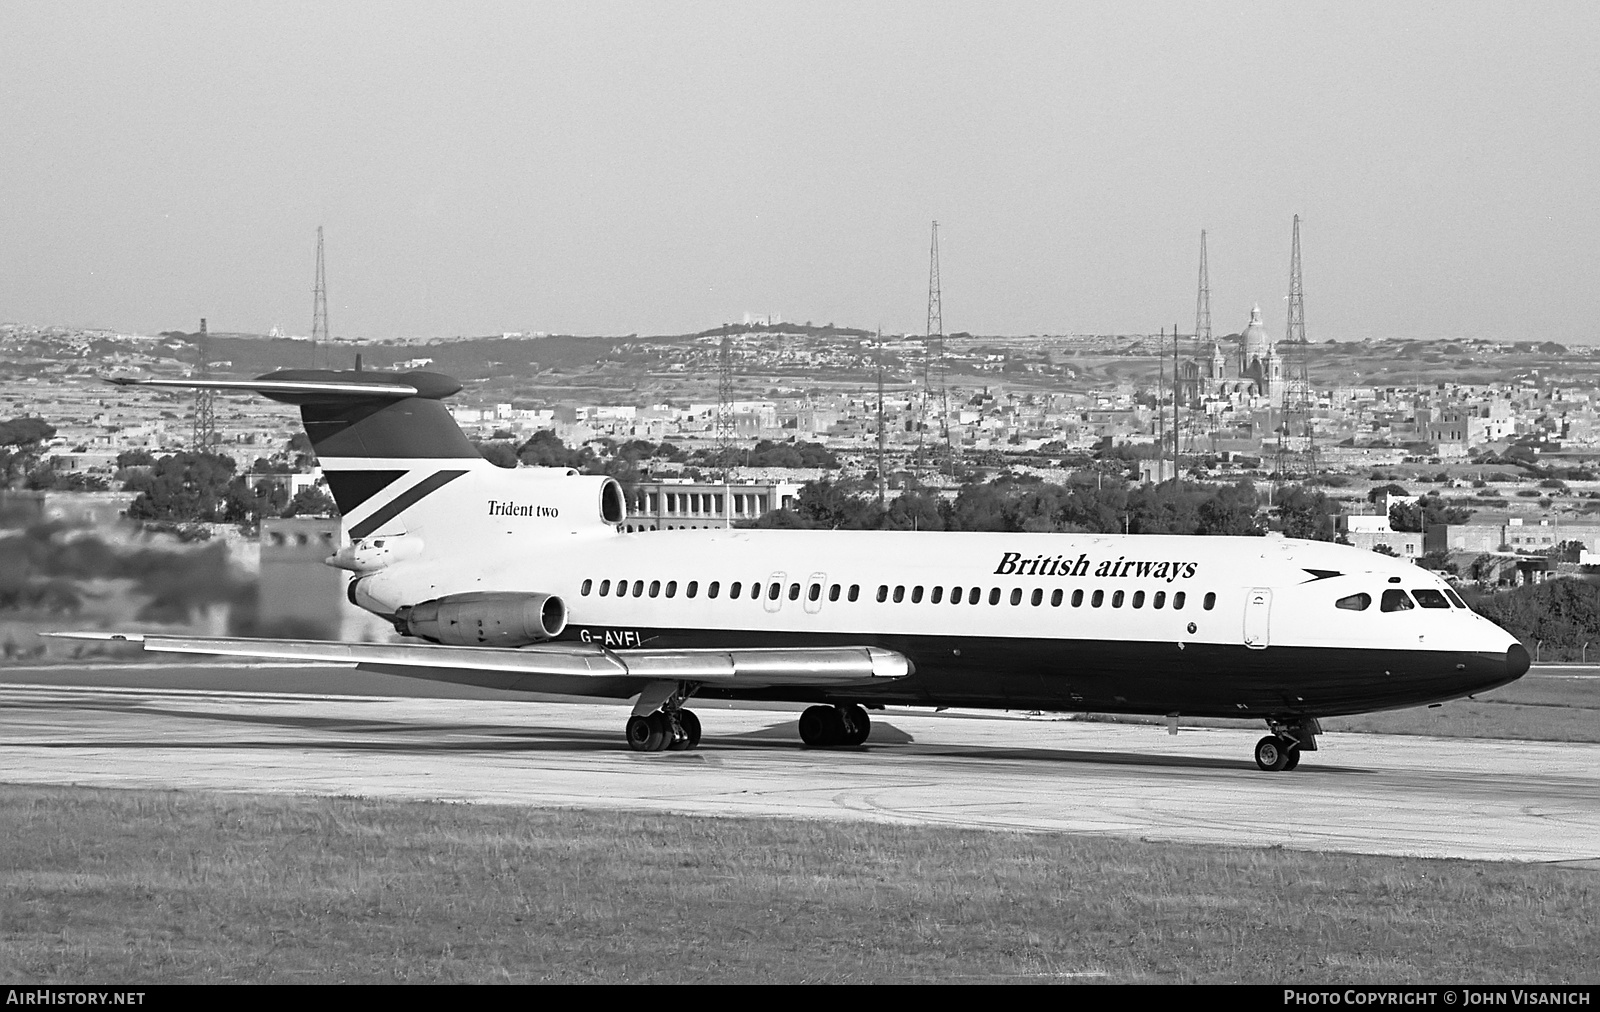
column 545, row 449
column 311, row 501
column 22, row 442
column 184, row 487
column 1306, row 514
column 1417, row 517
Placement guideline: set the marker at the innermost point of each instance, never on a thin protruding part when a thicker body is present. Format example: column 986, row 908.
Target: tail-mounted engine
column 484, row 619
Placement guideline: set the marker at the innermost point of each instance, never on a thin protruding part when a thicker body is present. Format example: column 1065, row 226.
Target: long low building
column 676, row 503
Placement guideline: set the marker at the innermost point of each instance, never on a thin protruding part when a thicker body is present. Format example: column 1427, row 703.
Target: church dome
column 1254, row 342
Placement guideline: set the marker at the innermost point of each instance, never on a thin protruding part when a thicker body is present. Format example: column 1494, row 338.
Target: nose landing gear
column 1281, row 749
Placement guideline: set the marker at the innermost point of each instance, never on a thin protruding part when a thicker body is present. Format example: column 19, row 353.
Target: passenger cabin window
column 1077, row 599
column 974, row 595
column 936, row 595
column 815, row 593
column 1055, row 598
column 833, row 592
column 638, row 588
column 1210, row 601
column 1178, row 597
column 1016, row 596
column 587, row 584
column 622, row 588
column 1160, row 599
column 899, row 594
column 1430, row 598
column 883, row 593
column 692, row 589
column 605, row 587
column 1098, row 599
column 1354, row 602
column 994, row 596
column 655, row 588
column 1116, row 599
column 1138, row 599
column 1396, row 600
column 955, row 595
column 855, row 591
column 755, row 590
column 773, row 591
column 712, row 588
column 733, row 590
column 916, row 595
column 672, row 588
column 1038, row 597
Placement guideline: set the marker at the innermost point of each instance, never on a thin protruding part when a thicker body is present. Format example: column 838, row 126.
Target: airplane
column 526, row 579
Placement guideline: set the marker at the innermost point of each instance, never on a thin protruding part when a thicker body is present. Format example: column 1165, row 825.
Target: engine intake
column 484, row 619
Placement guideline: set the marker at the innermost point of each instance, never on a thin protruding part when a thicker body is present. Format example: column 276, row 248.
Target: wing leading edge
column 570, row 670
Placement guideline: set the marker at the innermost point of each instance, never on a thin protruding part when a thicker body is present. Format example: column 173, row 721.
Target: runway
column 1374, row 794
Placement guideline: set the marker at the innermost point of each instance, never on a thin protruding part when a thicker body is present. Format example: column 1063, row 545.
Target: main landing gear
column 660, row 723
column 835, row 725
column 1281, row 749
column 664, row 730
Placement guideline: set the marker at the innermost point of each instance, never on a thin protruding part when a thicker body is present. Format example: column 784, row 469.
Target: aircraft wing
column 568, row 669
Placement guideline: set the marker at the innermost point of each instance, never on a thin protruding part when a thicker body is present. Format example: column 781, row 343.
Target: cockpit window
column 1455, row 598
column 1396, row 600
column 1430, row 598
column 1355, row 602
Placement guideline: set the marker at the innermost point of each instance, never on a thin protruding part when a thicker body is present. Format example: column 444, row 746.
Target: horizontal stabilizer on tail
column 309, row 386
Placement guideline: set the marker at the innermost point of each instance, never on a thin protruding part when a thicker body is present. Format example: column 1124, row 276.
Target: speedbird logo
column 514, row 509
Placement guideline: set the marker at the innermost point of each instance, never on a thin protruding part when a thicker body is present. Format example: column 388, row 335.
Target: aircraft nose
column 1517, row 660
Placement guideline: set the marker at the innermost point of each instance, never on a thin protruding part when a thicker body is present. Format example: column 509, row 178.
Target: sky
column 665, row 167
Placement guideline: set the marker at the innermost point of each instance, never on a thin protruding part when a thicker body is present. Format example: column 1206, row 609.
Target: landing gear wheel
column 1271, row 755
column 644, row 734
column 1293, row 760
column 691, row 728
column 857, row 725
column 821, row 726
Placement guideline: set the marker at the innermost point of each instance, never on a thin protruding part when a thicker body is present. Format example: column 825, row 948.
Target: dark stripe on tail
column 404, row 501
column 352, row 488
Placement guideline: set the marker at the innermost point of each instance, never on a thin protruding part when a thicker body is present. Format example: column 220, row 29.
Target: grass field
column 148, row 887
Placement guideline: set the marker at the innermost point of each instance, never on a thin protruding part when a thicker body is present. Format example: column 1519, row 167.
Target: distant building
column 301, row 596
column 1255, row 369
column 1369, row 531
column 1509, row 534
column 678, row 503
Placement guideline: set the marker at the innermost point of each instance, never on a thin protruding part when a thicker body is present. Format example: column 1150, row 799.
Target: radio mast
column 1296, row 440
column 205, row 400
column 319, row 305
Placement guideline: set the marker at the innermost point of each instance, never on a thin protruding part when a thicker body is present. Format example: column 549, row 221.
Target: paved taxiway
column 1378, row 794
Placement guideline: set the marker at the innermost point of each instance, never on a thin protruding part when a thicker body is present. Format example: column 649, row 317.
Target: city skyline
column 634, row 169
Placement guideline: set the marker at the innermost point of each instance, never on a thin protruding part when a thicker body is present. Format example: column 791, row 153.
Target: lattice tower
column 1204, row 347
column 1297, row 448
column 725, row 428
column 319, row 305
column 205, row 401
column 883, row 435
column 934, row 380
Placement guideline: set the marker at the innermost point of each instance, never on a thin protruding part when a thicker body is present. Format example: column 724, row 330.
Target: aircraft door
column 1257, row 611
column 772, row 592
column 816, row 586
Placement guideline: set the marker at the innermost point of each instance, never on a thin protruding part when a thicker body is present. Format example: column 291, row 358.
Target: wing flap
column 759, row 667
